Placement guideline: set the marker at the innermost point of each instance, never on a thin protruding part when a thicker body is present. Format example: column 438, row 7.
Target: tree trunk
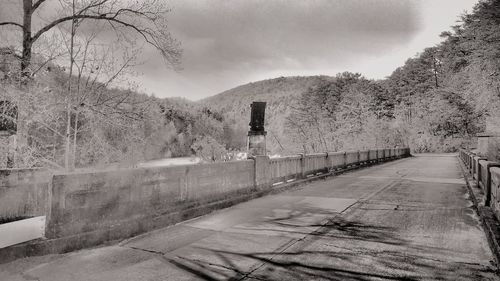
column 68, row 121
column 75, row 132
column 68, row 136
column 435, row 71
column 27, row 40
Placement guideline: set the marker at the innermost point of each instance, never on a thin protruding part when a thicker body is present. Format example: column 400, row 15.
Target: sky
column 229, row 43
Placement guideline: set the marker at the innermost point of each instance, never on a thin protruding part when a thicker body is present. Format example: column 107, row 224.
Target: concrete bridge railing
column 487, row 176
column 290, row 168
column 83, row 209
column 143, row 199
column 23, row 193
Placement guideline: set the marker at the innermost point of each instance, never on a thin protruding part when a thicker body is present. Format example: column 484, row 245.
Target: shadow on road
column 338, row 250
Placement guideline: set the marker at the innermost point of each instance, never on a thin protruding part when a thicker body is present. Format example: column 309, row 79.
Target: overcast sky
column 229, row 43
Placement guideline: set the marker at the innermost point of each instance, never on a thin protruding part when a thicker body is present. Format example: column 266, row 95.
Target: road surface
column 409, row 219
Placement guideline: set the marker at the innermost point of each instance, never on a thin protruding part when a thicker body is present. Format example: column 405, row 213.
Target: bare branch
column 11, row 23
column 37, row 4
column 157, row 37
column 47, row 61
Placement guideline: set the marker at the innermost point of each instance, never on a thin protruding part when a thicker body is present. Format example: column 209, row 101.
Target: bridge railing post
column 475, row 166
column 469, row 162
column 262, row 171
column 302, row 165
column 326, row 165
column 484, row 178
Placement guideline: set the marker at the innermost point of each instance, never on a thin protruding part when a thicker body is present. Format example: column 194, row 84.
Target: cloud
column 235, row 33
column 227, row 43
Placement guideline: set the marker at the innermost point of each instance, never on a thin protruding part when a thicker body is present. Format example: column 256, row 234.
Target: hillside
column 265, row 90
column 438, row 101
column 95, row 124
column 281, row 94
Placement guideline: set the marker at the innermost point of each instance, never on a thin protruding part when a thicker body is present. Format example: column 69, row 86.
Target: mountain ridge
column 280, row 93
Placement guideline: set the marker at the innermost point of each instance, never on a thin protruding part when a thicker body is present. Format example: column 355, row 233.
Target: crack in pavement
column 394, row 253
column 318, row 230
column 144, row 250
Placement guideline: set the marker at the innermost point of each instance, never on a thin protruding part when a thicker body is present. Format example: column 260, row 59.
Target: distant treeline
column 436, row 102
column 107, row 126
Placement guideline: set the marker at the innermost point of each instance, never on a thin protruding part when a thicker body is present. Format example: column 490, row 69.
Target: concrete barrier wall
column 23, row 193
column 487, row 176
column 88, row 208
column 364, row 155
column 352, row 157
column 484, row 178
column 294, row 167
column 284, row 169
column 86, row 202
column 482, row 171
column 495, row 190
column 475, row 166
column 380, row 153
column 85, row 209
column 315, row 163
column 336, row 160
column 469, row 160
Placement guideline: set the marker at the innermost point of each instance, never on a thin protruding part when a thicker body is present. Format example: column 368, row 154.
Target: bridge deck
column 410, row 219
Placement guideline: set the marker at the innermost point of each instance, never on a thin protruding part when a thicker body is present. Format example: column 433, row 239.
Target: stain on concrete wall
column 86, row 202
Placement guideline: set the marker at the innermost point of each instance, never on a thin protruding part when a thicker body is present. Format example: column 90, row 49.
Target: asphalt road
column 410, row 219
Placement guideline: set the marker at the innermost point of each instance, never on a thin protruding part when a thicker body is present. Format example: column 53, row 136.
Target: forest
column 64, row 110
column 436, row 102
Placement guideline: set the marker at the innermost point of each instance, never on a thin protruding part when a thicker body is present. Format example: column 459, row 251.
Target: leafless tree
column 145, row 18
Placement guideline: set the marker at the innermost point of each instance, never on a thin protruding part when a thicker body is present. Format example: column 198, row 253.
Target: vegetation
column 69, row 113
column 111, row 126
column 279, row 93
column 445, row 93
column 143, row 18
column 436, row 102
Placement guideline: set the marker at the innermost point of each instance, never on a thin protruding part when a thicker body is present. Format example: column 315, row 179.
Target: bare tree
column 93, row 68
column 144, row 18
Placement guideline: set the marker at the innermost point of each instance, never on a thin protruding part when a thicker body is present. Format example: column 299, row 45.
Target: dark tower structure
column 257, row 133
